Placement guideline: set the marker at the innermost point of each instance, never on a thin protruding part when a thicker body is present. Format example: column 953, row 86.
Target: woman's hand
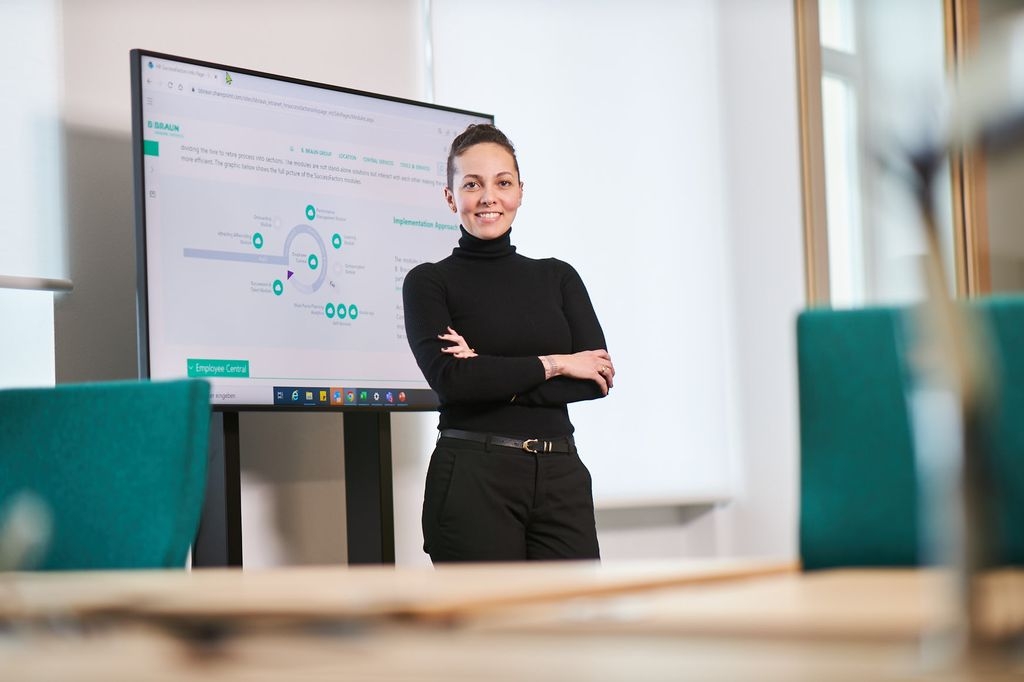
column 595, row 365
column 461, row 348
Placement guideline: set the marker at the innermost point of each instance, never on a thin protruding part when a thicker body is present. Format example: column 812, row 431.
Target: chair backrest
column 1003, row 317
column 858, row 488
column 121, row 467
column 859, row 484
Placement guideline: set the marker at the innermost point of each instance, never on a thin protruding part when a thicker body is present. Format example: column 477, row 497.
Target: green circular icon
column 313, row 261
column 329, row 310
column 353, row 311
column 342, row 311
column 278, row 287
column 257, row 240
column 336, row 240
column 311, row 211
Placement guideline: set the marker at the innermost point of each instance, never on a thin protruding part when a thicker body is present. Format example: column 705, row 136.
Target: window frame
column 967, row 169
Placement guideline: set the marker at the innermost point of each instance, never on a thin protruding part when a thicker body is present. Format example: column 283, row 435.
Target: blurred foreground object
column 956, row 383
column 988, row 122
column 25, row 529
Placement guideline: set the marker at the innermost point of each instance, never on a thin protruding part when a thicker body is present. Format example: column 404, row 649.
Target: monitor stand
column 369, row 499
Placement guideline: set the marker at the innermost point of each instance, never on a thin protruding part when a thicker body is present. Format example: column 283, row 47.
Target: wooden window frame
column 967, row 166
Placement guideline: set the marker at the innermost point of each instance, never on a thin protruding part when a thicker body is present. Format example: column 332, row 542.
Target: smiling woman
column 506, row 342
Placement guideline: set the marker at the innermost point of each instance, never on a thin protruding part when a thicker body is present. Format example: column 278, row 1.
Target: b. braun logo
column 160, row 125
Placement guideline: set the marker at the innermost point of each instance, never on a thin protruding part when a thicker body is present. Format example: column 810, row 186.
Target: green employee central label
column 201, row 367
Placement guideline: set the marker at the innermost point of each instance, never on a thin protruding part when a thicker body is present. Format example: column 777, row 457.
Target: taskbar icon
column 381, row 397
column 339, row 396
column 302, row 396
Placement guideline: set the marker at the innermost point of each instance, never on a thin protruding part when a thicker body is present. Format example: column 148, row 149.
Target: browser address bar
column 298, row 106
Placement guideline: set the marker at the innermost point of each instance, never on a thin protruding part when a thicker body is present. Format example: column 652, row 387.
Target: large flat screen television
column 275, row 221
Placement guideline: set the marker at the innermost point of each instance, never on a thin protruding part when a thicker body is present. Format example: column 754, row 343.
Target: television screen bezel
column 137, row 56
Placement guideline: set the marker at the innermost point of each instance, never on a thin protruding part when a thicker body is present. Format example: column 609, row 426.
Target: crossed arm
column 588, row 365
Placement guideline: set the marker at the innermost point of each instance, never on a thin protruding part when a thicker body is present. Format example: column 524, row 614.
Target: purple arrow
column 290, row 273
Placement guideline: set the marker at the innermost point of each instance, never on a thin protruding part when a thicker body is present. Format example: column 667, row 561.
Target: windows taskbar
column 339, row 396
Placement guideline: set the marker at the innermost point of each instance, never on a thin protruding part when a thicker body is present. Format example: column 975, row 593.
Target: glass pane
column 842, row 193
column 903, row 86
column 1004, row 176
column 1001, row 37
column 879, row 105
column 836, row 25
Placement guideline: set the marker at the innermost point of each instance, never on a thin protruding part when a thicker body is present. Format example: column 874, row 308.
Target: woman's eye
column 469, row 185
column 505, row 183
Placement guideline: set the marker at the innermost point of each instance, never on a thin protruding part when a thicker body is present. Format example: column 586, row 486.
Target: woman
column 506, row 342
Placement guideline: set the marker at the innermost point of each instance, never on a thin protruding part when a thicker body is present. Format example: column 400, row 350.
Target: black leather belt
column 533, row 445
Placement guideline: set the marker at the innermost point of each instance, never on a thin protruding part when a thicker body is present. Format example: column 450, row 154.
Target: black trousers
column 492, row 503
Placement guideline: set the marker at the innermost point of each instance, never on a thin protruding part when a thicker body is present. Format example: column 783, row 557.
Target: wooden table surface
column 865, row 604
column 329, row 593
column 693, row 620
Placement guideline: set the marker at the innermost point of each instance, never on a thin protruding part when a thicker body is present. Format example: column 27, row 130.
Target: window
column 880, row 91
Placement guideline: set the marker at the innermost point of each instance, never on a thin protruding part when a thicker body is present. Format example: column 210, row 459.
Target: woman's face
column 487, row 191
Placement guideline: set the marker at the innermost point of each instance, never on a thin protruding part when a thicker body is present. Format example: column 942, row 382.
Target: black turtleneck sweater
column 510, row 309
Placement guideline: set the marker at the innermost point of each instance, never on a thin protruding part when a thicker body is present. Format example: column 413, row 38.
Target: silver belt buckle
column 530, row 445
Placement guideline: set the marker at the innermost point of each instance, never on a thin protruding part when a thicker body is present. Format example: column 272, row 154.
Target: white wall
column 31, row 178
column 763, row 199
column 26, row 338
column 764, row 285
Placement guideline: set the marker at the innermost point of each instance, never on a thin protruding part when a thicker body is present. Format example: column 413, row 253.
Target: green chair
column 1004, row 320
column 120, row 466
column 859, row 487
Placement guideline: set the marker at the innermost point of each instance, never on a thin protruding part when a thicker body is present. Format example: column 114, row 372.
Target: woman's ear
column 450, row 199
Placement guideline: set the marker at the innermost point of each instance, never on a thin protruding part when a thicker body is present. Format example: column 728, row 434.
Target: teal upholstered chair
column 120, row 467
column 1004, row 317
column 859, row 490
